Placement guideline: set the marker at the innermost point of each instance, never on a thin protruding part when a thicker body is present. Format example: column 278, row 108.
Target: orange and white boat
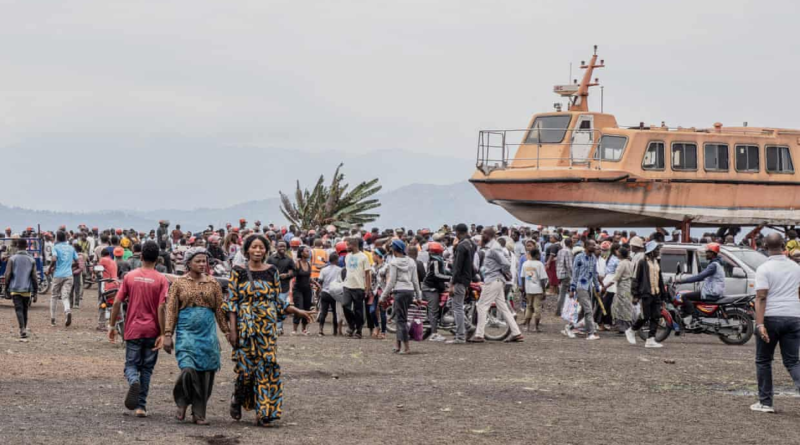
column 579, row 168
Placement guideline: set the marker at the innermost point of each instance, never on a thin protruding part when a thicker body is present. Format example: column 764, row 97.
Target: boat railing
column 495, row 150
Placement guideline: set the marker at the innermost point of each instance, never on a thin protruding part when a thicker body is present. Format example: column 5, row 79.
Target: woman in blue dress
column 194, row 308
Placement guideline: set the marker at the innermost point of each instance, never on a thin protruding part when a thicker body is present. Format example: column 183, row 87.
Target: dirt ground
column 65, row 385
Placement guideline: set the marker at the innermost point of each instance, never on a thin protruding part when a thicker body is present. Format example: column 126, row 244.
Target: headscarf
column 191, row 253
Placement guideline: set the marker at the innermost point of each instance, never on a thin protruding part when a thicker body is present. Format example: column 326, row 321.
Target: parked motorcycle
column 731, row 318
column 496, row 329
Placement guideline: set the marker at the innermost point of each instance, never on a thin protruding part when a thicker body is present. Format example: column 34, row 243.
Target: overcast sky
column 195, row 80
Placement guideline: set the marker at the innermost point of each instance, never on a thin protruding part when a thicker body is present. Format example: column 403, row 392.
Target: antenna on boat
column 578, row 94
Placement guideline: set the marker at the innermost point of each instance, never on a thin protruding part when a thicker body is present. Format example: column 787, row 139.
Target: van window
column 611, row 147
column 779, row 160
column 670, row 261
column 747, row 158
column 684, row 156
column 715, row 157
column 552, row 129
column 654, row 156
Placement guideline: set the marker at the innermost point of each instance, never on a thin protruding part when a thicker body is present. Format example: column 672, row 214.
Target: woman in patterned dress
column 254, row 311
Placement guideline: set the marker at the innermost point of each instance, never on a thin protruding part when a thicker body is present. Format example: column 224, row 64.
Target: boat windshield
column 752, row 258
column 551, row 128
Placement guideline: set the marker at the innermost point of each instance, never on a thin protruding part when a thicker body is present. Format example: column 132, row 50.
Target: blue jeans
column 786, row 332
column 140, row 359
column 283, row 297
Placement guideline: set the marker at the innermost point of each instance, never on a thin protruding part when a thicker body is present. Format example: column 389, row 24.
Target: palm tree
column 333, row 204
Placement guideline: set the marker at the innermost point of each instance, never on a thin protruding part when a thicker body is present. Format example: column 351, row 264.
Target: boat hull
column 626, row 202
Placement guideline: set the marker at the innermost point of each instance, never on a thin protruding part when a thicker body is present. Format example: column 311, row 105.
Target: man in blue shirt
column 61, row 270
column 584, row 281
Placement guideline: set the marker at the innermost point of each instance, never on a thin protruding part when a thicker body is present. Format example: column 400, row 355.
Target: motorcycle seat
column 727, row 299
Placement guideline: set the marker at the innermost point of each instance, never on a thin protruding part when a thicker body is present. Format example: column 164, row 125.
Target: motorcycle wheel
column 662, row 332
column 45, row 284
column 391, row 326
column 496, row 328
column 746, row 330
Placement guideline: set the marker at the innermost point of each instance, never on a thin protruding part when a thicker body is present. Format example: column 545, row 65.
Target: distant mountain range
column 412, row 206
column 162, row 172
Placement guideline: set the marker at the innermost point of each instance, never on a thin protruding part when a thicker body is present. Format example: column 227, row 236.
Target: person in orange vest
column 319, row 259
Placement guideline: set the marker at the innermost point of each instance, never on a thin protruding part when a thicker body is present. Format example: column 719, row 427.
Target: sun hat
column 651, row 246
column 637, row 242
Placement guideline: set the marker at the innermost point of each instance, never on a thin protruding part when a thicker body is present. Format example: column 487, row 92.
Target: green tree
column 333, row 204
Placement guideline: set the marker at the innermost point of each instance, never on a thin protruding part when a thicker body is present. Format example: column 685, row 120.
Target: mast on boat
column 578, row 94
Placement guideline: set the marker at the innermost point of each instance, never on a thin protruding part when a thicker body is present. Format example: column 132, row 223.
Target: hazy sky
column 194, row 80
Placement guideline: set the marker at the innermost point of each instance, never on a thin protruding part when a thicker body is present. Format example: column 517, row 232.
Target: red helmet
column 235, row 230
column 341, row 247
column 213, row 239
column 435, row 248
column 714, row 247
column 119, row 231
column 295, row 242
column 29, row 229
column 95, row 229
column 62, row 227
column 119, row 251
column 242, row 221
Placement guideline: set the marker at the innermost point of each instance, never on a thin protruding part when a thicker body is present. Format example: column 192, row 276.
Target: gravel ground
column 65, row 385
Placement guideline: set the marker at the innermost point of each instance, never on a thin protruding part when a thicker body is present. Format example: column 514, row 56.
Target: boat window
column 684, row 156
column 611, row 147
column 586, row 125
column 779, row 160
column 747, row 158
column 654, row 156
column 552, row 129
column 716, row 157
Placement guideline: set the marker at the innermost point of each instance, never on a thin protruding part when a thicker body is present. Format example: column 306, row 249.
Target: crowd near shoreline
column 171, row 290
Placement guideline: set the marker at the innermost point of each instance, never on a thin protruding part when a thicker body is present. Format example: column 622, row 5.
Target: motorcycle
column 106, row 300
column 90, row 276
column 496, row 329
column 731, row 318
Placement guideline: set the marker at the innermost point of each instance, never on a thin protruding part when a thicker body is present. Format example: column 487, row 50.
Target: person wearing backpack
column 330, row 274
column 434, row 284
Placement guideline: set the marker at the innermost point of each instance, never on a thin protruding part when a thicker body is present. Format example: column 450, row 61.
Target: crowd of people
column 606, row 280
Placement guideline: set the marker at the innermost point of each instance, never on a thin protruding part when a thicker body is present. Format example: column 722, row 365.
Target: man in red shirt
column 145, row 291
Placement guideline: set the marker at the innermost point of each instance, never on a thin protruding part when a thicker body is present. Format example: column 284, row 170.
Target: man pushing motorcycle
column 713, row 278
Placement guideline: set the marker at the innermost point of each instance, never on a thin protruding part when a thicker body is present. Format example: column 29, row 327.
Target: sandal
column 181, row 414
column 199, row 421
column 395, row 350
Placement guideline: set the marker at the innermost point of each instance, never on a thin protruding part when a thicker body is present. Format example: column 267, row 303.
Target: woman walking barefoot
column 254, row 311
column 404, row 283
column 194, row 308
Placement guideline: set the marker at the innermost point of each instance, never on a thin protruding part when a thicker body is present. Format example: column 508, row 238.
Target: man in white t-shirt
column 777, row 319
column 534, row 279
column 357, row 286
